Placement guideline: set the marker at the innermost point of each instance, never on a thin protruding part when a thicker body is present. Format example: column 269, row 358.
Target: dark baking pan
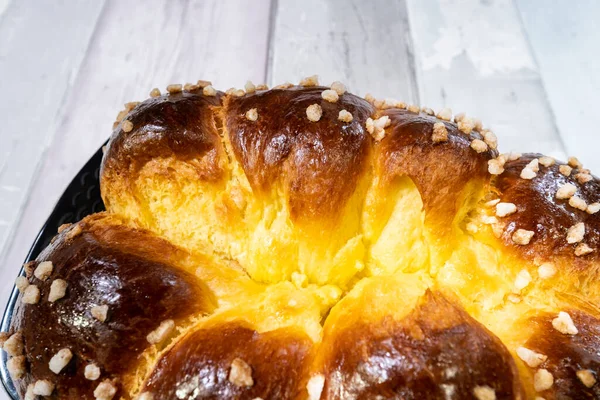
column 81, row 198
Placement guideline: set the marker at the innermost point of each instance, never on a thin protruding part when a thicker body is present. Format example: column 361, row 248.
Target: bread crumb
column 106, row 390
column 522, row 280
column 63, row 227
column 427, row 110
column 285, row 85
column 310, row 81
column 100, row 312
column 43, row 388
column 29, row 267
column 522, row 236
column 583, row 249
column 583, row 177
column 478, row 124
column 60, row 360
column 150, row 396
column 155, row 92
column 547, row 161
column 190, row 87
column 203, row 83
column 498, row 229
column 31, row 295
column 339, row 88
column 578, row 203
column 593, row 208
column 472, row 228
column 574, row 162
column 21, row 283
column 174, row 88
column 345, row 116
column 479, row 146
column 484, row 393
column 586, row 377
column 565, row 170
column 466, row 125
column 14, row 345
column 530, row 357
column 58, row 289
column 542, row 380
column 440, row 133
column 414, row 108
column 314, row 112
column 330, row 95
column 492, row 203
column 131, row 105
column 495, row 167
column 528, row 173
column 209, row 91
column 444, row 114
column 262, row 87
column 127, row 126
column 377, row 127
column 488, row 220
column 43, row 270
column 252, row 114
column 564, row 324
column 575, row 233
column 566, row 191
column 240, row 373
column 250, row 88
column 490, row 138
column 16, row 367
column 546, row 271
column 29, row 395
column 512, row 156
column 91, row 372
column 459, row 117
column 504, row 209
column 75, row 231
column 533, row 165
column 314, row 387
column 161, row 332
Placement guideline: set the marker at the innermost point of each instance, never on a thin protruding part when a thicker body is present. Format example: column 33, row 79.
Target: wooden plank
column 565, row 41
column 37, row 66
column 138, row 46
column 366, row 45
column 473, row 56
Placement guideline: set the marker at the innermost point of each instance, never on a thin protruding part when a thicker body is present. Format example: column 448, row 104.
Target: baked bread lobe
column 302, row 242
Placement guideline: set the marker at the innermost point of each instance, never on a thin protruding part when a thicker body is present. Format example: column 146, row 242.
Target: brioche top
column 302, row 242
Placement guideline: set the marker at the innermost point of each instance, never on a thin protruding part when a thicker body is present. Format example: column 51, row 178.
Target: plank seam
column 268, row 74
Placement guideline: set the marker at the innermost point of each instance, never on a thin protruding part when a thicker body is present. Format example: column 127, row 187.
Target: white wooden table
column 528, row 69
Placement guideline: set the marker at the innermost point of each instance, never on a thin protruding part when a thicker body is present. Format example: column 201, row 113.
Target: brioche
column 301, row 242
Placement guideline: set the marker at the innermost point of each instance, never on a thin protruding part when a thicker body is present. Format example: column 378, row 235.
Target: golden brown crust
column 567, row 354
column 309, row 158
column 180, row 125
column 441, row 171
column 200, row 364
column 539, row 210
column 124, row 269
column 435, row 352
